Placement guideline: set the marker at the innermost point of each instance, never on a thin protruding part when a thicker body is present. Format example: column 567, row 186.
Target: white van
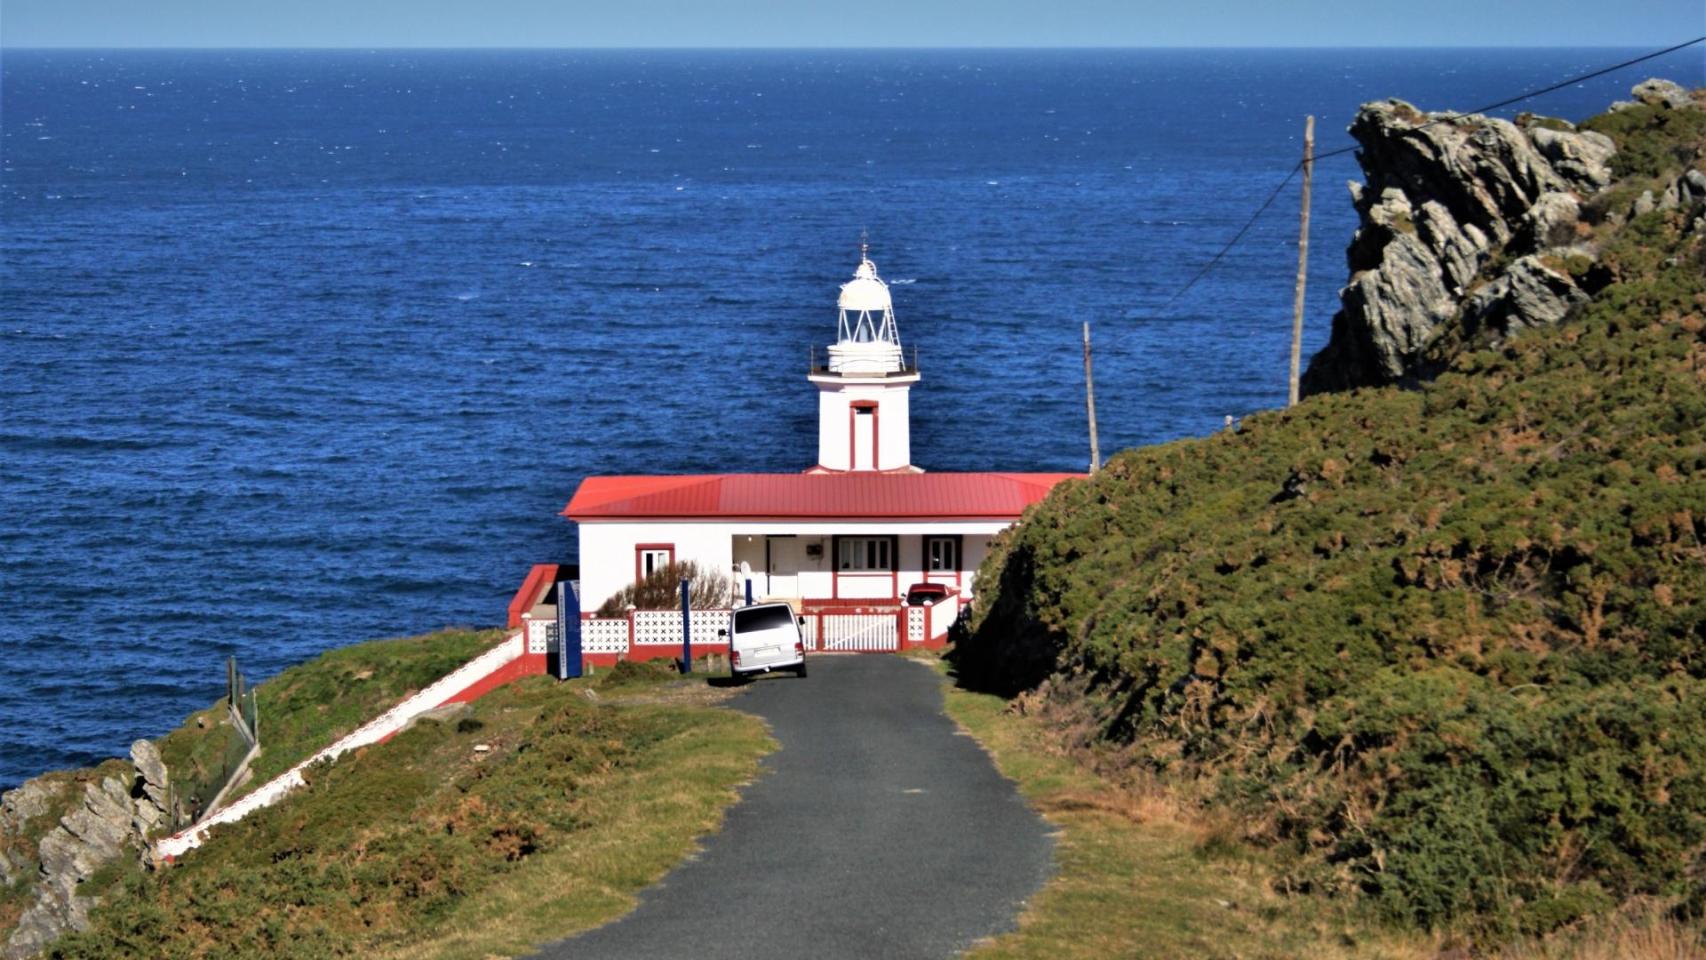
column 765, row 637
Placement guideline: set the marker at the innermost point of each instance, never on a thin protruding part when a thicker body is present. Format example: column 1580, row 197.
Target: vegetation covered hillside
column 436, row 842
column 1443, row 649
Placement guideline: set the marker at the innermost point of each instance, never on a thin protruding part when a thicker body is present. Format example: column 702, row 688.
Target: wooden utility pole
column 1090, row 403
column 1302, row 260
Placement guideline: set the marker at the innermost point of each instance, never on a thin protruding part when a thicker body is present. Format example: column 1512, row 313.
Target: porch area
column 832, row 626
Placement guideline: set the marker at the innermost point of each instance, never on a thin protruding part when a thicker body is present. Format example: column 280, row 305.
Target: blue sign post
column 568, row 629
column 686, row 627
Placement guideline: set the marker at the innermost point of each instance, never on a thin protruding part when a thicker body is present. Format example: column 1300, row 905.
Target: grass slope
column 1443, row 651
column 427, row 845
column 309, row 706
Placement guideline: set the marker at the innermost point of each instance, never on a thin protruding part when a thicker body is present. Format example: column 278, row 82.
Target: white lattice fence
column 597, row 636
column 915, row 624
column 860, row 631
column 606, row 635
column 540, row 634
column 663, row 627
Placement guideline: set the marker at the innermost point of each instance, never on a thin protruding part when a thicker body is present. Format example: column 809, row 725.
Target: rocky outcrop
column 1656, row 93
column 1578, row 158
column 1527, row 294
column 112, row 819
column 20, row 811
column 1481, row 227
column 1446, row 196
column 1687, row 192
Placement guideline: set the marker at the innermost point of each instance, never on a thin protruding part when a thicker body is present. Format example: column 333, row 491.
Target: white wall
column 894, row 422
column 607, row 551
column 973, row 551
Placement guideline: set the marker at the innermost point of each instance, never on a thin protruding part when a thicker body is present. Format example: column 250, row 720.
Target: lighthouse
column 872, row 552
column 864, row 410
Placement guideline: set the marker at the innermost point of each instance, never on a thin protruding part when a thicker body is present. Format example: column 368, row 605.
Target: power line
column 1453, row 118
column 1450, row 118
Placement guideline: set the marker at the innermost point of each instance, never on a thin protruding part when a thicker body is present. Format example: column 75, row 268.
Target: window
column 865, row 553
column 649, row 558
column 763, row 618
column 942, row 554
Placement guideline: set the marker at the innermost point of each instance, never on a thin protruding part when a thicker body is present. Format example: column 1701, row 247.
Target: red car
column 919, row 594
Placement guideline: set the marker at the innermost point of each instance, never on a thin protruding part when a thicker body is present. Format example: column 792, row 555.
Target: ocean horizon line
column 765, row 48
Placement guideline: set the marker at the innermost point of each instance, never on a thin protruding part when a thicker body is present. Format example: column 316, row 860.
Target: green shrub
column 1651, row 141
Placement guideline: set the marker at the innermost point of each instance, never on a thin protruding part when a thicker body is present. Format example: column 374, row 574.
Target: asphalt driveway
column 877, row 831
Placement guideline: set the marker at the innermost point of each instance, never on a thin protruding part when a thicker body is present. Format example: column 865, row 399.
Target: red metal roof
column 831, row 496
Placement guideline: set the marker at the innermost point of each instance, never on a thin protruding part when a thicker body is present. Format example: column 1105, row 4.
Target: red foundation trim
column 525, row 665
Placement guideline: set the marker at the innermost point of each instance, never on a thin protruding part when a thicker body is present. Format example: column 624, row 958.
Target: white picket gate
column 860, row 631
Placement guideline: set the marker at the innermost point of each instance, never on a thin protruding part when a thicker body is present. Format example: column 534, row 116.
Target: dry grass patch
column 1644, row 933
column 1136, row 878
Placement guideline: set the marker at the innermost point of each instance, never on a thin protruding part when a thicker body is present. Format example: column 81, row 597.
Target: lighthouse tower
column 863, row 408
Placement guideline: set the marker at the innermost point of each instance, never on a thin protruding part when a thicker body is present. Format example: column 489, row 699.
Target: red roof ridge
column 863, row 495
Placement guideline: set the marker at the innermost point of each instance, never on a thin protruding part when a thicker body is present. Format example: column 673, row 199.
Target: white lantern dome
column 866, row 291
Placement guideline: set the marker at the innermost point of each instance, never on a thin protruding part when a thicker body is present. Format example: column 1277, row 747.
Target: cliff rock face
column 1444, row 197
column 114, row 817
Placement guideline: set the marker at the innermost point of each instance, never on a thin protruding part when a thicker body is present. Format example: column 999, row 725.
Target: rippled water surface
column 298, row 349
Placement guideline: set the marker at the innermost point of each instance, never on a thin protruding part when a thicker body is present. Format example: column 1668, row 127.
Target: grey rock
column 1397, row 306
column 1645, row 203
column 149, row 764
column 1551, row 222
column 15, row 865
column 1528, row 294
column 27, row 801
column 155, row 782
column 1662, row 93
column 1582, row 158
column 88, row 838
column 84, row 842
column 1460, row 249
column 1685, row 192
column 44, row 921
column 114, row 819
column 19, row 808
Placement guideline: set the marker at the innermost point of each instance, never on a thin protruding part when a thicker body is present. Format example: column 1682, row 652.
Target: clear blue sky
column 871, row 23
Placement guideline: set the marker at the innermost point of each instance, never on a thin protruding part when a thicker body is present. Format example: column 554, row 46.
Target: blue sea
column 302, row 348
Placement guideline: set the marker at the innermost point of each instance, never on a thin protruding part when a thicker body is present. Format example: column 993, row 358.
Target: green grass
column 199, row 756
column 424, row 846
column 309, row 706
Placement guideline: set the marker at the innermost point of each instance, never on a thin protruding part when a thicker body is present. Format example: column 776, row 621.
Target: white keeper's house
column 850, row 540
